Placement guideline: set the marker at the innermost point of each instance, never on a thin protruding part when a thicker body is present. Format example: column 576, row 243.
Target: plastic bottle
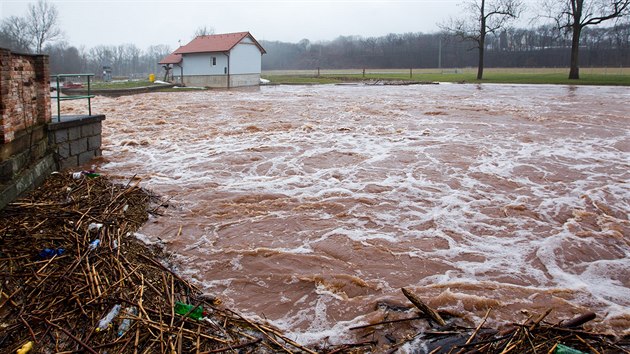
column 25, row 348
column 94, row 244
column 126, row 323
column 50, row 252
column 185, row 309
column 106, row 321
column 91, row 173
column 563, row 349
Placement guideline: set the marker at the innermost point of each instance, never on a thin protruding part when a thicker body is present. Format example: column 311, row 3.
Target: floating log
column 415, row 300
column 578, row 321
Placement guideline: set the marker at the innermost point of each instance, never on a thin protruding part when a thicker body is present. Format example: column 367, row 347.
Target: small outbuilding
column 218, row 60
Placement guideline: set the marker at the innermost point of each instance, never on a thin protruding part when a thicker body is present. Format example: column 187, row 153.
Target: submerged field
column 312, row 206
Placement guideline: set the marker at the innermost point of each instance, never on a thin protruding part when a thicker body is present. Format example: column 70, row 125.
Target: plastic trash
column 126, row 323
column 47, row 253
column 185, row 309
column 563, row 349
column 94, row 226
column 94, row 244
column 106, row 321
column 91, row 174
column 25, row 348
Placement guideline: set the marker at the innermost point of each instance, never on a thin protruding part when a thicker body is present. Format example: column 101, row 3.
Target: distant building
column 218, row 60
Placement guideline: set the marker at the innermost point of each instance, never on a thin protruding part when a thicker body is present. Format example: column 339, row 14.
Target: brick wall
column 31, row 146
column 24, row 93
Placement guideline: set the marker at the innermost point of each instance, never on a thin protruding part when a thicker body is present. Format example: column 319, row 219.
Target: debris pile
column 431, row 331
column 75, row 279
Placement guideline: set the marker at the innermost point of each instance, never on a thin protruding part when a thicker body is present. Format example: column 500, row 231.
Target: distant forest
column 541, row 47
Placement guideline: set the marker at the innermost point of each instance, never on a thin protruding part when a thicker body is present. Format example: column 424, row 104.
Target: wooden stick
column 87, row 347
column 293, row 343
column 472, row 336
column 135, row 343
column 30, row 330
column 184, row 330
column 587, row 344
column 387, row 322
column 415, row 300
column 233, row 347
column 198, row 344
column 539, row 319
column 267, row 334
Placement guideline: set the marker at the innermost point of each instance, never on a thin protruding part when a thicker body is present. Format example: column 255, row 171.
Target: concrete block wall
column 221, row 81
column 76, row 141
column 243, row 80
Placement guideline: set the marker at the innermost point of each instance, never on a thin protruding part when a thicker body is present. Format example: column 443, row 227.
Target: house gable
column 218, row 43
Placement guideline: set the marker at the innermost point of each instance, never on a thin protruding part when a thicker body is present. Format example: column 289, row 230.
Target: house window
column 214, row 61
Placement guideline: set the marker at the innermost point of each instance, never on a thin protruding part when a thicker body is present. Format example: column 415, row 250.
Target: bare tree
column 574, row 15
column 42, row 23
column 13, row 34
column 484, row 17
column 203, row 31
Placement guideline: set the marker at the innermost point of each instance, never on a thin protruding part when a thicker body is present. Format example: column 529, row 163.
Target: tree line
column 544, row 46
column 480, row 37
column 125, row 60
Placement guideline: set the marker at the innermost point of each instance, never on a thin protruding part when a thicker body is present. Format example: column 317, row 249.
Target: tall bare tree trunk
column 482, row 39
column 574, row 73
column 482, row 49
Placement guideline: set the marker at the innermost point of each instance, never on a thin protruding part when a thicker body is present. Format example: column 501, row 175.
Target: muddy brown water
column 312, row 206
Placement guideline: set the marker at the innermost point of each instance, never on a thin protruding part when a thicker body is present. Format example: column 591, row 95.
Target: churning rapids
column 313, row 206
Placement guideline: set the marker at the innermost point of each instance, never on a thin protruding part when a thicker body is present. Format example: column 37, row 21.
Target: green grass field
column 100, row 85
column 589, row 76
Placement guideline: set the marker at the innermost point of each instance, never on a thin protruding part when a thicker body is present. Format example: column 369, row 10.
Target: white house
column 218, row 60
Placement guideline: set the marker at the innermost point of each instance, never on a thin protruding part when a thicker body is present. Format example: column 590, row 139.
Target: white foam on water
column 518, row 188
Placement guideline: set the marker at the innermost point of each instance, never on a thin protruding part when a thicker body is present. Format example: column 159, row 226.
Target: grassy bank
column 589, row 76
column 101, row 85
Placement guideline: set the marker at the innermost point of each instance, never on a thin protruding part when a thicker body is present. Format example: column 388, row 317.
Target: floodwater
column 312, row 206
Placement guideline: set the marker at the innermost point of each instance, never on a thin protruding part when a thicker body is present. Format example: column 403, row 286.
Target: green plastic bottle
column 183, row 309
column 563, row 349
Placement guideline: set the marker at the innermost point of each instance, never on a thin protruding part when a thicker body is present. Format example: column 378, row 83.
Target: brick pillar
column 42, row 81
column 5, row 81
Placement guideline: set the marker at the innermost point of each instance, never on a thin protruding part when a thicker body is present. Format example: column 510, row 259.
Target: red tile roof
column 216, row 43
column 171, row 59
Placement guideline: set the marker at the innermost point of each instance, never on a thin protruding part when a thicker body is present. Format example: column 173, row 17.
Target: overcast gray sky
column 147, row 22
